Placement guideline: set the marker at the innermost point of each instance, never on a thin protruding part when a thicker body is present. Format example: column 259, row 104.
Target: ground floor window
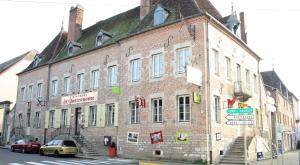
column 51, row 119
column 93, row 115
column 64, row 118
column 157, row 110
column 184, row 108
column 110, row 114
column 37, row 122
column 134, row 112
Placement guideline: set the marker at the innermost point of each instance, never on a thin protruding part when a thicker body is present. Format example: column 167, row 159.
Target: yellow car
column 59, row 147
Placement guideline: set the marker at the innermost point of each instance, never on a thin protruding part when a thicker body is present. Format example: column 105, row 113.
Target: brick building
column 155, row 80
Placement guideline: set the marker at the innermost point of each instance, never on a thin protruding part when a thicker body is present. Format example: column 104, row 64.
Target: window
column 238, row 72
column 157, row 65
column 112, row 76
column 110, row 114
column 30, row 89
column 183, row 56
column 216, row 63
column 217, row 109
column 71, row 50
column 160, row 15
column 51, row 119
column 228, row 68
column 255, row 83
column 134, row 112
column 22, row 93
column 37, row 123
column 20, row 119
column 39, row 90
column 64, row 118
column 37, row 60
column 95, row 79
column 184, row 110
column 28, row 119
column 247, row 79
column 53, row 87
column 80, row 82
column 67, row 85
column 99, row 39
column 135, row 67
column 157, row 110
column 93, row 115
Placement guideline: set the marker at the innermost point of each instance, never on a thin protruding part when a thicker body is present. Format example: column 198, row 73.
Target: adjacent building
column 156, row 80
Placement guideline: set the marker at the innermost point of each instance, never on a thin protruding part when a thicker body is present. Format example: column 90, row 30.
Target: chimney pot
column 243, row 27
column 145, row 7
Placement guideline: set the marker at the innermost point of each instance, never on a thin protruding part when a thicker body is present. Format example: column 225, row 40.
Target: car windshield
column 69, row 144
column 57, row 142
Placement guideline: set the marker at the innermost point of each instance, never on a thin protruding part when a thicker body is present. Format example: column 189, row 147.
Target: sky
column 273, row 27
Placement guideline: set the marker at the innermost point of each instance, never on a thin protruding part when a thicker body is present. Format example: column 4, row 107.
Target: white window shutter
column 116, row 117
column 102, row 115
column 161, row 64
column 86, row 116
column 46, row 118
column 69, row 117
column 98, row 120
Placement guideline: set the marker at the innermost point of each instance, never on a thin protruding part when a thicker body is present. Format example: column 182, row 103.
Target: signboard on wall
column 194, row 75
column 156, row 137
column 182, row 137
column 132, row 137
column 79, row 98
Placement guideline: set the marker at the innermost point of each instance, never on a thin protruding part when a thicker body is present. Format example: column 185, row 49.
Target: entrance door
column 77, row 120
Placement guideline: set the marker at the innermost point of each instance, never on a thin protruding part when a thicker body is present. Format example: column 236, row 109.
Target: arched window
column 160, row 15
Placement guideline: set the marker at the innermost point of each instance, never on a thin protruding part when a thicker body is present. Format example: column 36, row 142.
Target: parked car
column 59, row 147
column 25, row 145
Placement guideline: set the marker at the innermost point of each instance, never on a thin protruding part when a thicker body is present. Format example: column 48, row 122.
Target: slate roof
column 13, row 61
column 128, row 23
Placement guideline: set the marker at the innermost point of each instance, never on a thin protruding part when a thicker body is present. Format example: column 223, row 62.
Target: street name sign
column 240, row 117
column 239, row 110
column 250, row 122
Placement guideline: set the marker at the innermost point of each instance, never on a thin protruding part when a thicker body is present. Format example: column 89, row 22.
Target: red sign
column 231, row 102
column 140, row 101
column 156, row 137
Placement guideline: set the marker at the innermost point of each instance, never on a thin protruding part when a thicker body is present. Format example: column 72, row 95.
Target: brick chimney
column 145, row 7
column 75, row 23
column 243, row 27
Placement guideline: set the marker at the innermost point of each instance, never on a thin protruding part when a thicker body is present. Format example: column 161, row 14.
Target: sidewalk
column 289, row 158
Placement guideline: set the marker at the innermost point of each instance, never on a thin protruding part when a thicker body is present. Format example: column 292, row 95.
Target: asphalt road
column 16, row 158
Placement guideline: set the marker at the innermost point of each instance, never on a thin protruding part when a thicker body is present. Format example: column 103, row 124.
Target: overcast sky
column 273, row 27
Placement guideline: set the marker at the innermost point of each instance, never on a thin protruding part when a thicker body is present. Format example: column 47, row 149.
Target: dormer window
column 71, row 49
column 37, row 60
column 101, row 37
column 160, row 15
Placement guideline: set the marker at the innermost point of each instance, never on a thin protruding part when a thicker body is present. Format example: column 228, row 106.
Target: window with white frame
column 30, row 90
column 255, row 83
column 53, row 87
column 20, row 121
column 51, row 119
column 184, row 108
column 37, row 122
column 64, row 117
column 238, row 73
column 22, row 93
column 134, row 112
column 93, row 115
column 216, row 62
column 183, row 59
column 157, row 65
column 217, row 109
column 247, row 79
column 135, row 69
column 160, row 15
column 80, row 82
column 157, row 110
column 95, row 79
column 67, row 82
column 110, row 111
column 228, row 68
column 112, row 75
column 39, row 90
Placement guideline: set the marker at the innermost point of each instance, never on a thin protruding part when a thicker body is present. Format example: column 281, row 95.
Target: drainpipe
column 209, row 142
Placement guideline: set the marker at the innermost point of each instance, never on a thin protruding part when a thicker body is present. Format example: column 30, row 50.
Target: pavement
column 289, row 158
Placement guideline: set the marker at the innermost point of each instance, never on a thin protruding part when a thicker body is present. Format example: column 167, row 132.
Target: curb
column 107, row 158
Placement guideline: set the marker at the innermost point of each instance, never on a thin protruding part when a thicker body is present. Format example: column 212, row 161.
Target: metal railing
column 63, row 130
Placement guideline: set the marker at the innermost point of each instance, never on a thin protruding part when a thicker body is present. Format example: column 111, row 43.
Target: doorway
column 77, row 120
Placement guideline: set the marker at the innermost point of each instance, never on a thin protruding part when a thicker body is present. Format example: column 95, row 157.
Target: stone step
column 231, row 162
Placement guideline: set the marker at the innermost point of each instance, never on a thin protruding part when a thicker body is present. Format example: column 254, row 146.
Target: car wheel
column 56, row 154
column 42, row 153
column 12, row 149
column 23, row 151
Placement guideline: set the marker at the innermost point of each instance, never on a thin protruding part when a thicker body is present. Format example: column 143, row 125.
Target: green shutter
column 102, row 115
column 86, row 116
column 57, row 118
column 46, row 118
column 69, row 117
column 98, row 115
column 116, row 117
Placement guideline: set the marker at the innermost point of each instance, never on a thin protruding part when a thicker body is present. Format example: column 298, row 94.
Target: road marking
column 86, row 161
column 15, row 164
column 70, row 162
column 51, row 162
column 34, row 163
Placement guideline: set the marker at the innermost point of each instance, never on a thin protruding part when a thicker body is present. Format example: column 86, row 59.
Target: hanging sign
column 140, row 101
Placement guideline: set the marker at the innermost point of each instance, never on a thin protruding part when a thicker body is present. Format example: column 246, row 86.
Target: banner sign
column 79, row 98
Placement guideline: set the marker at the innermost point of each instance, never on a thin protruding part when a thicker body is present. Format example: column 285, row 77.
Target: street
column 16, row 158
column 290, row 158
